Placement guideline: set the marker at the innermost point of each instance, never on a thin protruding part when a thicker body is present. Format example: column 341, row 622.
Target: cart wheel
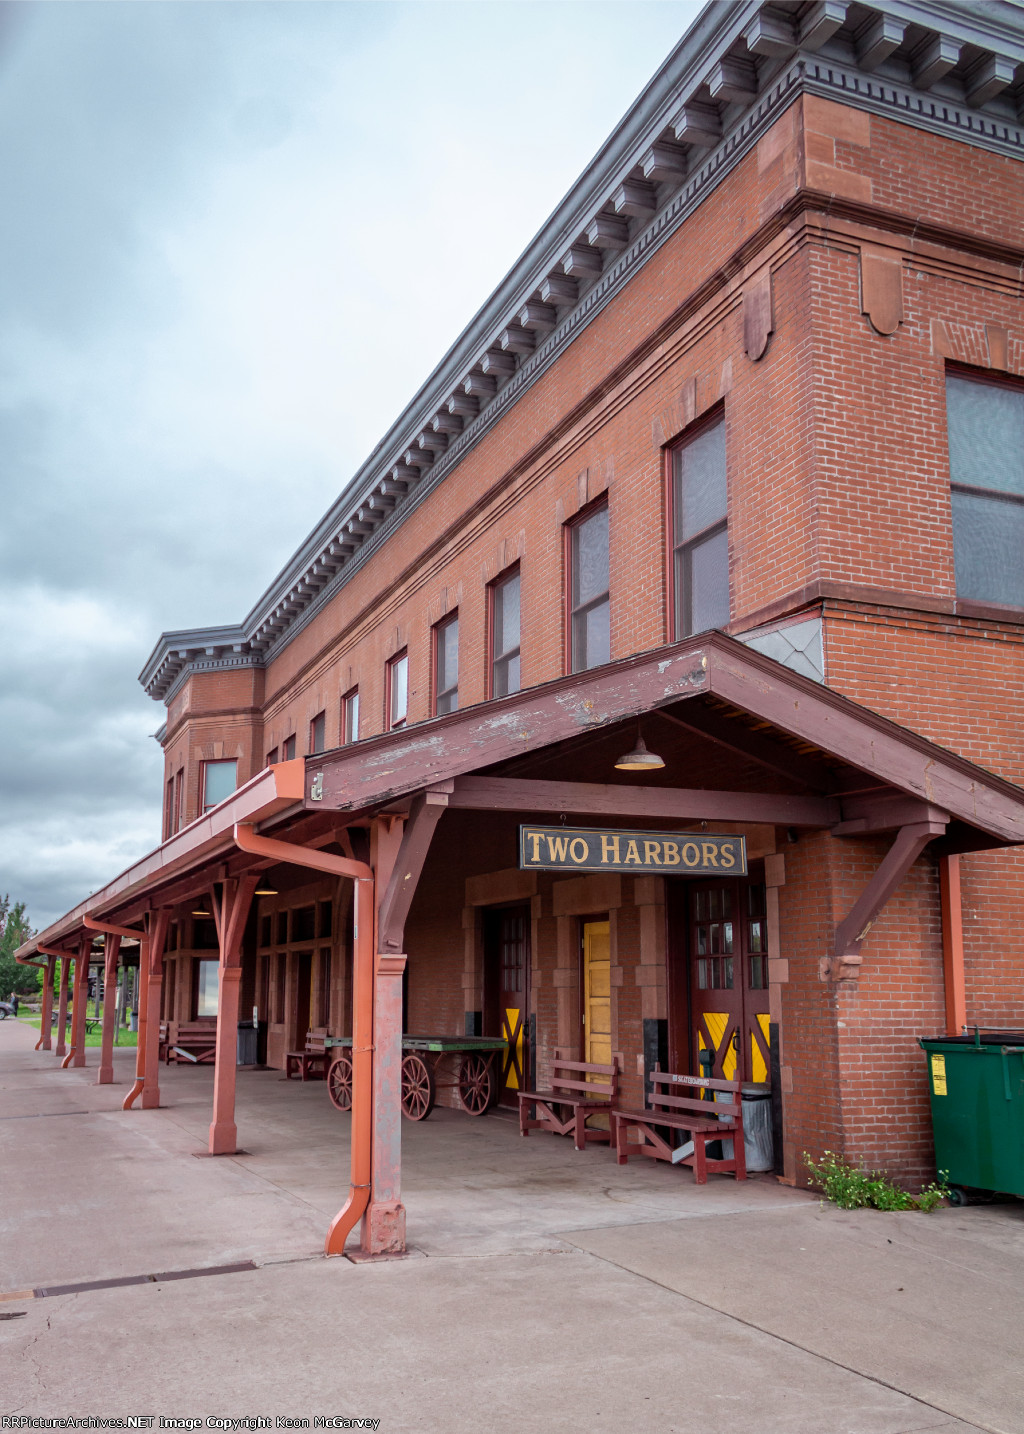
column 339, row 1082
column 477, row 1087
column 418, row 1090
column 957, row 1195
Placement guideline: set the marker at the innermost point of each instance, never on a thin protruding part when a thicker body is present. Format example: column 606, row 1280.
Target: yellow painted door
column 597, row 993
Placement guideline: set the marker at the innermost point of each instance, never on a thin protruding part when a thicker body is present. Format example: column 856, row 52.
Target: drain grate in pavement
column 81, row 1286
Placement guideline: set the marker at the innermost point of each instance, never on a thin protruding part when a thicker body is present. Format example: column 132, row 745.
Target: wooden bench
column 194, row 1041
column 310, row 1063
column 572, row 1091
column 165, row 1042
column 703, row 1120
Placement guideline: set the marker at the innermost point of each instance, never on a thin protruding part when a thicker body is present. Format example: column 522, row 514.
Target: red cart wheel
column 418, row 1091
column 477, row 1087
column 339, row 1082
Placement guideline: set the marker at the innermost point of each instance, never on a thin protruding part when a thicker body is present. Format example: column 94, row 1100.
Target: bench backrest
column 196, row 1030
column 316, row 1041
column 670, row 1091
column 572, row 1076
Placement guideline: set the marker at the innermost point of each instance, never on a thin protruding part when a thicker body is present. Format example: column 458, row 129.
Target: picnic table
column 476, row 1081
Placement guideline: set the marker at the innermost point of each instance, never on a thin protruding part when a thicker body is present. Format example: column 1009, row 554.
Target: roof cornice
column 948, row 66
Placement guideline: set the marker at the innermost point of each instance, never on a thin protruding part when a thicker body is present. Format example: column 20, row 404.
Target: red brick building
column 732, row 460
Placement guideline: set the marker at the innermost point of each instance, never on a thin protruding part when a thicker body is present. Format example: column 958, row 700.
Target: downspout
column 134, row 934
column 362, row 1014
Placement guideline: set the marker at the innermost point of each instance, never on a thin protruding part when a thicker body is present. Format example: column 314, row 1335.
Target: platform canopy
column 744, row 740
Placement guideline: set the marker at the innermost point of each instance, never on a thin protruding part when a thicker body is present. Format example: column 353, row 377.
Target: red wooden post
column 46, row 1017
column 236, row 897
column 111, row 951
column 383, row 1227
column 140, row 1038
column 952, row 945
column 158, row 923
column 62, row 1008
column 76, row 1057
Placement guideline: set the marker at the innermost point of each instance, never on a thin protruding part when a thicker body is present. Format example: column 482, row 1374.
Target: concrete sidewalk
column 548, row 1288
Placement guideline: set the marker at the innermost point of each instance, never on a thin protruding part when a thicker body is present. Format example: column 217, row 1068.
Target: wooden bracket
column 427, row 810
column 851, row 932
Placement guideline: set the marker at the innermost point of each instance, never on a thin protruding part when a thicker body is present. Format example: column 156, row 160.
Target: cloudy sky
column 234, row 240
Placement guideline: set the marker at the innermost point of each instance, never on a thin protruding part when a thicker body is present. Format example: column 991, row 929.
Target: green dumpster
column 977, row 1092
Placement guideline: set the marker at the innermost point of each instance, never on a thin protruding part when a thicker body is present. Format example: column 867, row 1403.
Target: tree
column 14, row 931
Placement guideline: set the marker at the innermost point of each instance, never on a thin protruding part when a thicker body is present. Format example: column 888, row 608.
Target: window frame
column 492, row 657
column 319, row 720
column 273, row 757
column 437, row 693
column 204, row 805
column 674, row 625
column 288, row 749
column 569, row 573
column 984, row 378
column 350, row 705
column 389, row 678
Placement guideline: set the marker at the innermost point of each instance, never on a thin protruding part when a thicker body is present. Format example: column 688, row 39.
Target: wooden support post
column 140, row 1048
column 46, row 1016
column 231, row 913
column 383, row 1227
column 111, row 952
column 952, row 945
column 76, row 1056
column 62, row 1008
column 397, row 859
column 158, row 924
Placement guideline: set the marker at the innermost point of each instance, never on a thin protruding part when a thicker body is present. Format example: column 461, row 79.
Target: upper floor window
column 986, row 470
column 397, row 694
column 219, row 781
column 505, row 635
column 350, row 716
column 172, row 815
column 589, row 606
column 273, row 756
column 700, row 535
column 446, row 664
column 288, row 748
column 318, row 732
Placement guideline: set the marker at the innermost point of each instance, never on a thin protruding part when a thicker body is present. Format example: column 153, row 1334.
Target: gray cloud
column 234, row 240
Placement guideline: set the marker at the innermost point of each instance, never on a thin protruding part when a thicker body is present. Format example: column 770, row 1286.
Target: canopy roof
column 745, row 740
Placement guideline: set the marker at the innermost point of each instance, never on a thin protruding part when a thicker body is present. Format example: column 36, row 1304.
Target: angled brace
column 852, row 930
column 427, row 809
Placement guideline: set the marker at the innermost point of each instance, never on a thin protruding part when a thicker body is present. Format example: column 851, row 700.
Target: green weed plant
column 852, row 1189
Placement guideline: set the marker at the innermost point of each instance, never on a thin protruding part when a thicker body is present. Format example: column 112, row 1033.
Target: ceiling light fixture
column 265, row 891
column 639, row 760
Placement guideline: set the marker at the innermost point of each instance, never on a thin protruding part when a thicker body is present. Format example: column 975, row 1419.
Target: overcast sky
column 234, row 240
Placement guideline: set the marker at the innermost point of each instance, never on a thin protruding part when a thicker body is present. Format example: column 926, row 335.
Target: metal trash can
column 977, row 1095
column 247, row 1045
column 758, row 1147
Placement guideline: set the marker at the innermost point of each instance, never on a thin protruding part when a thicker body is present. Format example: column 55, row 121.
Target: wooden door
column 506, row 996
column 729, row 979
column 597, row 992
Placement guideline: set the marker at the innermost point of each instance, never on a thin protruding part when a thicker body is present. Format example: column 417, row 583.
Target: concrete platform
column 552, row 1288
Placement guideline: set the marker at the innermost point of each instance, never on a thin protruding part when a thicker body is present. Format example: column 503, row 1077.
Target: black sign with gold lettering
column 587, row 849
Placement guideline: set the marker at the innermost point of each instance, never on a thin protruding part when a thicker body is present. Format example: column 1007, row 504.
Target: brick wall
column 838, row 493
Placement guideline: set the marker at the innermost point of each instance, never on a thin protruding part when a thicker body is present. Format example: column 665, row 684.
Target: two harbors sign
column 587, row 849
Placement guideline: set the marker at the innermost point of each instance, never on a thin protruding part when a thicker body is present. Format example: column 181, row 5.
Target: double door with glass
column 728, row 979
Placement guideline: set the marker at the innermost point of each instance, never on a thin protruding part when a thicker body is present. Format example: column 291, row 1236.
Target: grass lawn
column 94, row 1038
